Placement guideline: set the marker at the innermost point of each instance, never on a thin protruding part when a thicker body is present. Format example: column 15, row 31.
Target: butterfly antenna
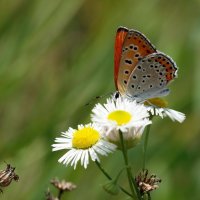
column 98, row 97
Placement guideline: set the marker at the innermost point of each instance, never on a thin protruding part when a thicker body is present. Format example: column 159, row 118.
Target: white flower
column 157, row 106
column 124, row 115
column 84, row 143
column 120, row 114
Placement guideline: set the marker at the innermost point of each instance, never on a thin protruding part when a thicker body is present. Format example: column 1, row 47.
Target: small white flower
column 84, row 143
column 120, row 114
column 124, row 115
column 158, row 107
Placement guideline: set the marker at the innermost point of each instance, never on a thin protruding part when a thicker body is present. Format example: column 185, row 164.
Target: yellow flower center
column 120, row 116
column 85, row 138
column 157, row 102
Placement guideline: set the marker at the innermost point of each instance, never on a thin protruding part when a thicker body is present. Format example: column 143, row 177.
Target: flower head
column 84, row 143
column 146, row 183
column 63, row 185
column 124, row 115
column 7, row 175
column 158, row 106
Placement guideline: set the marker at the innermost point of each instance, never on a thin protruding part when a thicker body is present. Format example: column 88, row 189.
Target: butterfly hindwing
column 151, row 76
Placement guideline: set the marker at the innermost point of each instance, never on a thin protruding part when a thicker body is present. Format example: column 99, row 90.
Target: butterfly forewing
column 119, row 41
column 135, row 47
column 151, row 76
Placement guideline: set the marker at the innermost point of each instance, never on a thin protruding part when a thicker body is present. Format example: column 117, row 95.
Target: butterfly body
column 141, row 72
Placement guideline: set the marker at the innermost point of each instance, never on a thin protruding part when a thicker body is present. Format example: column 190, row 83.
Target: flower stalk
column 110, row 178
column 128, row 168
column 146, row 138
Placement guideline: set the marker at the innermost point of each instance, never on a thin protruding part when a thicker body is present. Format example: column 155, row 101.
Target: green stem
column 109, row 177
column 60, row 194
column 102, row 170
column 146, row 138
column 146, row 196
column 128, row 168
column 136, row 188
column 149, row 196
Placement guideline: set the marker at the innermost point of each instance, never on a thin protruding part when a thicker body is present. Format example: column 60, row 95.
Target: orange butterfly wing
column 130, row 47
column 119, row 41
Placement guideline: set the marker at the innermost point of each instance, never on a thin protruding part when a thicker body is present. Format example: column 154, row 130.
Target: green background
column 56, row 55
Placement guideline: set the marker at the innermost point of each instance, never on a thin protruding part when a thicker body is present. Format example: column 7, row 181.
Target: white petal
column 85, row 159
column 175, row 115
column 62, row 140
column 57, row 147
column 76, row 158
column 71, row 155
column 93, row 154
column 68, row 156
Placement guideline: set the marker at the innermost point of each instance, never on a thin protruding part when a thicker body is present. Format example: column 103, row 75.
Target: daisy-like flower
column 158, row 106
column 84, row 143
column 124, row 115
column 63, row 185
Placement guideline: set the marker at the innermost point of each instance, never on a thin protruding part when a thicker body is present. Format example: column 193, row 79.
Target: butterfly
column 140, row 71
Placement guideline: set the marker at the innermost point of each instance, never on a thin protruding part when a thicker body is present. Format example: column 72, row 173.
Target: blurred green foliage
column 55, row 56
